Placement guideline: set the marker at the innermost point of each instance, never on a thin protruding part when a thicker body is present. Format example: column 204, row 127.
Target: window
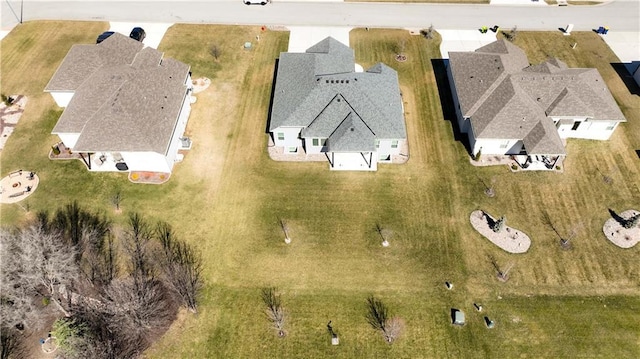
column 611, row 127
column 394, row 144
column 504, row 144
column 292, row 149
column 576, row 125
column 280, row 136
column 316, row 142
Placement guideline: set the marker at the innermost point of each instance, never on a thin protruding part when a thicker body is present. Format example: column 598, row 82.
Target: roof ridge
column 503, row 77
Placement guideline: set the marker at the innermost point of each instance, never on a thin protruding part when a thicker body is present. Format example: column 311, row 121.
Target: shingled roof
column 121, row 102
column 320, row 91
column 506, row 97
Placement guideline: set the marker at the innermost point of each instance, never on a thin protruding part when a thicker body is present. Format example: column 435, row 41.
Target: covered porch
column 539, row 162
column 104, row 161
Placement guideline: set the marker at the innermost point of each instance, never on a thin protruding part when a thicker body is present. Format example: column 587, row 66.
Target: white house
column 126, row 107
column 509, row 107
column 321, row 105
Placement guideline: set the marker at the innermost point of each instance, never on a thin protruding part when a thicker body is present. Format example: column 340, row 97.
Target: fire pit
column 16, row 185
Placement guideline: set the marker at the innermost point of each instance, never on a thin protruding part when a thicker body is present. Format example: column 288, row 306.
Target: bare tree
column 385, row 234
column 136, row 242
column 378, row 317
column 116, row 199
column 428, row 33
column 512, row 34
column 285, row 229
column 502, row 274
column 181, row 265
column 42, row 262
column 401, row 46
column 275, row 311
column 214, row 50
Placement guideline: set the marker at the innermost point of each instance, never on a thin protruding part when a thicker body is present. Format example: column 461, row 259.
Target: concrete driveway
column 303, row 37
column 463, row 40
column 626, row 45
column 155, row 31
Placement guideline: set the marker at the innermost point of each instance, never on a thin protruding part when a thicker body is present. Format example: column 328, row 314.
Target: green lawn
column 226, row 196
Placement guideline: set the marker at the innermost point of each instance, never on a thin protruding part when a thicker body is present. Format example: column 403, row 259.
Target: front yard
column 227, row 195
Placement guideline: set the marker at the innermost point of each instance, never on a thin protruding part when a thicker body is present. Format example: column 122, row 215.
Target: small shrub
column 632, row 221
column 428, row 33
column 514, row 167
column 499, row 224
column 55, row 149
column 46, row 301
column 477, row 156
column 8, row 100
column 558, row 168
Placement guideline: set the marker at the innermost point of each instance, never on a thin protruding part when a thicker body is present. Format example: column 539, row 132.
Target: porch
column 539, row 162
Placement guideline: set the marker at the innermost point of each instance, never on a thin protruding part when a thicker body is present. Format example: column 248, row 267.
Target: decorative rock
column 385, row 243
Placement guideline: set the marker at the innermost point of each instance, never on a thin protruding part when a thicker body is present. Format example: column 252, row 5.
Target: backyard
column 227, row 196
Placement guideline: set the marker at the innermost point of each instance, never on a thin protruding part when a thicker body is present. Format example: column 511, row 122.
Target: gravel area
column 509, row 239
column 620, row 236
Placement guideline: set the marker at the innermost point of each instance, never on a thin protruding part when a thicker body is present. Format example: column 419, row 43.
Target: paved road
column 620, row 15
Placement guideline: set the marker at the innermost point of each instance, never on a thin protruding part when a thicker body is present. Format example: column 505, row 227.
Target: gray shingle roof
column 507, row 98
column 83, row 60
column 319, row 89
column 126, row 107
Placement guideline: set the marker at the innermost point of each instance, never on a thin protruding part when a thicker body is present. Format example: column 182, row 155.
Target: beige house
column 126, row 106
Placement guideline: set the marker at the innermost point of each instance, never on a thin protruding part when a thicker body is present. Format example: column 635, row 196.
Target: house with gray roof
column 126, row 106
column 510, row 107
column 321, row 105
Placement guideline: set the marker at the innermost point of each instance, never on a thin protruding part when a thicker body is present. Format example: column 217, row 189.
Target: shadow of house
column 273, row 90
column 446, row 100
column 626, row 72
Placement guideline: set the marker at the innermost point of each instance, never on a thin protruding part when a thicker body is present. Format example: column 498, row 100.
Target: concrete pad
column 155, row 31
column 626, row 45
column 303, row 37
column 4, row 33
column 463, row 40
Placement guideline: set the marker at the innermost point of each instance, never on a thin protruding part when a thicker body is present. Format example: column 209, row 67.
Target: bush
column 55, row 149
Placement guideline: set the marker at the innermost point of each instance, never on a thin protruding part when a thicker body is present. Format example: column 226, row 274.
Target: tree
column 42, row 262
column 275, row 312
column 428, row 33
column 502, row 274
column 512, row 34
column 499, row 224
column 378, row 317
column 181, row 265
column 285, row 229
column 116, row 199
column 136, row 242
column 631, row 221
column 384, row 233
column 214, row 50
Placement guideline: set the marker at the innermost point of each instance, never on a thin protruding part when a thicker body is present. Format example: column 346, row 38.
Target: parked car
column 256, row 2
column 103, row 36
column 138, row 34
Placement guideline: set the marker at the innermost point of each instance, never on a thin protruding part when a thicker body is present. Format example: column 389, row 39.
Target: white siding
column 291, row 135
column 349, row 161
column 497, row 146
column 310, row 148
column 590, row 130
column 146, row 161
column 69, row 139
column 178, row 132
column 385, row 148
column 62, row 98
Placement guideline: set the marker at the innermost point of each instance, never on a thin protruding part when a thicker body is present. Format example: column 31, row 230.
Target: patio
column 17, row 186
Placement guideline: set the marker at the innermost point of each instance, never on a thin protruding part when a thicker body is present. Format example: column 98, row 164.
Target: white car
column 256, row 2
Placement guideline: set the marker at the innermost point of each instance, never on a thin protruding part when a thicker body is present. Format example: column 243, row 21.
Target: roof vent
column 331, row 81
column 341, row 81
column 352, row 129
column 338, row 100
column 327, row 81
column 347, row 81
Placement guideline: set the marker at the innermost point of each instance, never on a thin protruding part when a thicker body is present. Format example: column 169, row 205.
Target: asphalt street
column 619, row 15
